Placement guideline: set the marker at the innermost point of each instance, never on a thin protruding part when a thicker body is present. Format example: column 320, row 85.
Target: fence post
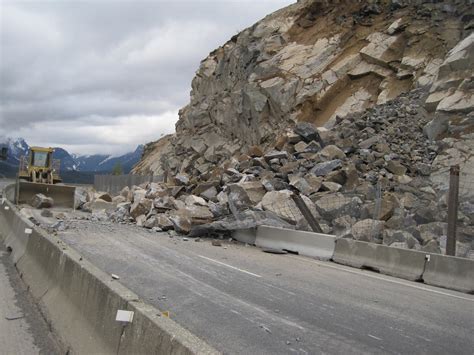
column 453, row 197
column 305, row 211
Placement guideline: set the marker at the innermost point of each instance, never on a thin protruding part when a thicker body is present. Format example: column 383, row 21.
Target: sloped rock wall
column 316, row 61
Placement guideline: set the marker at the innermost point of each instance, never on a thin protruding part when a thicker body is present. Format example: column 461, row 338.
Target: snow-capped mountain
column 16, row 148
column 70, row 162
column 105, row 163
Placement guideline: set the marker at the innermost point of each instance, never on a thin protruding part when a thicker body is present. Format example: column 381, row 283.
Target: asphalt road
column 22, row 328
column 244, row 301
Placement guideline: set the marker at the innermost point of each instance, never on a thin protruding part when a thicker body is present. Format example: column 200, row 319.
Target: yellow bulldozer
column 39, row 174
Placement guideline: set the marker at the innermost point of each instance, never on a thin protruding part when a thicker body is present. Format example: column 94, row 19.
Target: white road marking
column 373, row 336
column 229, row 266
column 383, row 278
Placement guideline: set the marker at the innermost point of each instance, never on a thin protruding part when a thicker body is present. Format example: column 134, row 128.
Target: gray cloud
column 104, row 76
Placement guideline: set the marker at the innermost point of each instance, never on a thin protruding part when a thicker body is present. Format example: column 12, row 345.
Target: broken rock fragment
column 41, row 201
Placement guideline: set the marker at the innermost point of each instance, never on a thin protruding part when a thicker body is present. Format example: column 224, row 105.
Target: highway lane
column 243, row 301
column 22, row 328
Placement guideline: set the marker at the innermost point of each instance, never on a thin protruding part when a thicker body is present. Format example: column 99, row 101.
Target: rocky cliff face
column 361, row 108
column 316, row 61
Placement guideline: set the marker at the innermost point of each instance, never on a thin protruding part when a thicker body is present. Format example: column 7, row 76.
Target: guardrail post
column 305, row 211
column 453, row 197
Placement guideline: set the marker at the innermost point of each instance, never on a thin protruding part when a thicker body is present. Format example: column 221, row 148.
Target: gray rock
column 182, row 224
column 98, row 205
column 195, row 200
column 238, row 198
column 431, row 247
column 163, row 222
column 313, row 147
column 334, row 205
column 181, row 179
column 395, row 167
column 46, row 213
column 281, row 204
column 140, row 207
column 332, row 152
column 342, row 225
column 436, row 127
column 276, row 154
column 198, row 214
column 301, row 184
column 368, row 230
column 81, row 197
column 59, row 226
column 425, row 214
column 209, row 194
column 366, row 144
column 124, row 192
column 322, row 169
column 140, row 220
column 254, row 190
column 247, row 219
column 121, row 213
column 330, row 186
column 41, row 201
column 218, row 210
column 391, row 236
column 307, row 131
column 104, row 196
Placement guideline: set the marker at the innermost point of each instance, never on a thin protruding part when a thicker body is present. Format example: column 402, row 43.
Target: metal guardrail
column 113, row 184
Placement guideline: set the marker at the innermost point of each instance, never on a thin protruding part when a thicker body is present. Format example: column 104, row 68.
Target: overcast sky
column 103, row 76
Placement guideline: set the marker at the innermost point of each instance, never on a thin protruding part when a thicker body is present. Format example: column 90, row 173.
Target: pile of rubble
column 367, row 179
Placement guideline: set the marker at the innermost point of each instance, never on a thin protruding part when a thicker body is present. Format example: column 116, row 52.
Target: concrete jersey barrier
column 403, row 263
column 450, row 272
column 15, row 229
column 316, row 245
column 81, row 301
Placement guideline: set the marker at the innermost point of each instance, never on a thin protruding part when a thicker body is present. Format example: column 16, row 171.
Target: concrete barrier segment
column 311, row 244
column 245, row 235
column 403, row 263
column 450, row 272
column 15, row 229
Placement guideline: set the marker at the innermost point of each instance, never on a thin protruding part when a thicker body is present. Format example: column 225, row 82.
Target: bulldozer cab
column 40, row 159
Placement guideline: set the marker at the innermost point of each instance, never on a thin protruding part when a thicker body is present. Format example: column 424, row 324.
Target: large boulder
column 140, row 207
column 334, row 205
column 238, row 198
column 181, row 223
column 307, row 131
column 160, row 221
column 98, row 204
column 122, row 212
column 254, row 190
column 103, row 196
column 368, row 230
column 42, row 201
column 81, row 196
column 322, row 169
column 197, row 214
column 282, row 204
column 192, row 200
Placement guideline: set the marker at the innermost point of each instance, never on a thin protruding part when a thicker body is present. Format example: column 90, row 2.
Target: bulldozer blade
column 62, row 195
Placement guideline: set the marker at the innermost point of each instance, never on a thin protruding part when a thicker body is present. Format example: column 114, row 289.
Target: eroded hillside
column 313, row 61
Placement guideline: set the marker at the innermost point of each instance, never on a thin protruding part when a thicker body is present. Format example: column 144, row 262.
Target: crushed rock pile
column 368, row 178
